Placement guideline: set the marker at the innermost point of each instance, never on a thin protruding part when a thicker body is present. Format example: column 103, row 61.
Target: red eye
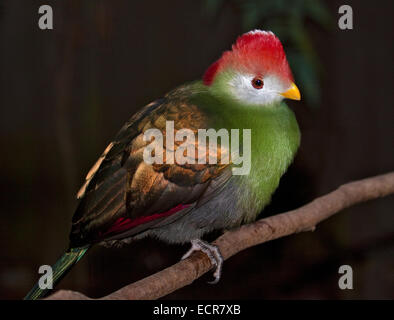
column 257, row 83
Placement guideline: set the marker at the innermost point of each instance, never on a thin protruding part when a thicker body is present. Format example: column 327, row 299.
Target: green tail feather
column 60, row 268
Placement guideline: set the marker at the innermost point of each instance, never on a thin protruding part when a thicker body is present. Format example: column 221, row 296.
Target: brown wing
column 123, row 195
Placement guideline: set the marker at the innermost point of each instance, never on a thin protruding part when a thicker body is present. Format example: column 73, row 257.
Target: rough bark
column 231, row 242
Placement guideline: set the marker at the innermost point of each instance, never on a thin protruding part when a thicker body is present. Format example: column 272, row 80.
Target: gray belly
column 222, row 212
column 226, row 210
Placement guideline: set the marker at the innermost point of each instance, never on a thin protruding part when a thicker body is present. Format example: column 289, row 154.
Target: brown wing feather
column 121, row 184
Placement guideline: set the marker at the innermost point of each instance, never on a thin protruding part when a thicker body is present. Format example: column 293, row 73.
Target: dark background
column 64, row 93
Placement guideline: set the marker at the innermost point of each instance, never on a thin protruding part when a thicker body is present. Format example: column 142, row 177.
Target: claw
column 213, row 254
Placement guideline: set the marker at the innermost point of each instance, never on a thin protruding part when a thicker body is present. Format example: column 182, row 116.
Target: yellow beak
column 293, row 93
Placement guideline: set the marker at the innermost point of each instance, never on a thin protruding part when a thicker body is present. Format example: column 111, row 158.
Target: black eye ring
column 257, row 83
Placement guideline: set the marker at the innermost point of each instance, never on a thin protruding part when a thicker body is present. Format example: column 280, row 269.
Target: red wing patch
column 124, row 224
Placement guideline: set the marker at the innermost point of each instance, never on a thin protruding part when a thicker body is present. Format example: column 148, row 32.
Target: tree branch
column 231, row 242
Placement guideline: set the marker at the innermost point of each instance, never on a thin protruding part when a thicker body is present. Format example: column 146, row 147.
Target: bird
column 126, row 198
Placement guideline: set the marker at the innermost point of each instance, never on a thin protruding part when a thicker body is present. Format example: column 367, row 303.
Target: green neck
column 275, row 138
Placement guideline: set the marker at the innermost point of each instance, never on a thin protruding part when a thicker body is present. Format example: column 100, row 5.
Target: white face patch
column 242, row 89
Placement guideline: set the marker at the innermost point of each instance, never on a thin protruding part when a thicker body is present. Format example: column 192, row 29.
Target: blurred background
column 64, row 94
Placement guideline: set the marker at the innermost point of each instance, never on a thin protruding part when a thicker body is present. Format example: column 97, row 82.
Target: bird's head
column 255, row 71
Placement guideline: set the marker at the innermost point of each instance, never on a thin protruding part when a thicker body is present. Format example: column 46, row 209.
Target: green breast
column 275, row 138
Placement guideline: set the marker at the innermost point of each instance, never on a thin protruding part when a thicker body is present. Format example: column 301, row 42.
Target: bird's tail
column 59, row 269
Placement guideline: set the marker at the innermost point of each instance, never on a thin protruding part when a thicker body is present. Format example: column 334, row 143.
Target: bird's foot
column 213, row 254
